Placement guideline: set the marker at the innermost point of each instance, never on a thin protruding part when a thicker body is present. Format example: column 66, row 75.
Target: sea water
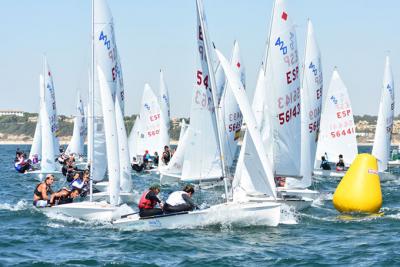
column 316, row 236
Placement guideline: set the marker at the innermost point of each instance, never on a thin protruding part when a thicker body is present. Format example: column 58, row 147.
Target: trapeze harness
column 145, row 203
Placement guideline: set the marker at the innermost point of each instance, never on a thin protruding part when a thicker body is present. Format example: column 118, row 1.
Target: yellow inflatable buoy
column 360, row 188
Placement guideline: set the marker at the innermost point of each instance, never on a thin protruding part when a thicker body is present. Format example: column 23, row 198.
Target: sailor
column 35, row 159
column 340, row 164
column 324, row 164
column 166, row 156
column 180, row 200
column 22, row 165
column 65, row 196
column 43, row 192
column 148, row 202
column 156, row 158
column 136, row 165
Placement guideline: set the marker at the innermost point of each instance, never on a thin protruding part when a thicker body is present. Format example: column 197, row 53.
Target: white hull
column 295, row 203
column 169, row 178
column 328, row 173
column 301, row 193
column 97, row 211
column 127, row 198
column 231, row 213
column 394, row 163
column 102, row 186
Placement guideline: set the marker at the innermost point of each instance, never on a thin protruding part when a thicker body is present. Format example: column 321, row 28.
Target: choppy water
column 317, row 236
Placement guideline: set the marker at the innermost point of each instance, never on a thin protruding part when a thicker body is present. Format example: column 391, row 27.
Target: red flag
column 284, row 15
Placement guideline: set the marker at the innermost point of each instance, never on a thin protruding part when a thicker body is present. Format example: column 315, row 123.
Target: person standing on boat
column 148, row 202
column 180, row 200
column 340, row 164
column 43, row 192
column 166, row 156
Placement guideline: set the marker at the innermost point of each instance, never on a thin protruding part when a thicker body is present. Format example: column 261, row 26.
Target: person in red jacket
column 148, row 202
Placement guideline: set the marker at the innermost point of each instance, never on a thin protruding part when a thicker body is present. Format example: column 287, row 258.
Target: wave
column 20, row 205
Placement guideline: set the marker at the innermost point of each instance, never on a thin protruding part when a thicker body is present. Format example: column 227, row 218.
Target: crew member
column 180, row 200
column 43, row 192
column 148, row 202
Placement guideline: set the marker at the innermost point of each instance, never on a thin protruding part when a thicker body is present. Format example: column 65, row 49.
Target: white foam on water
column 320, row 201
column 288, row 215
column 21, row 205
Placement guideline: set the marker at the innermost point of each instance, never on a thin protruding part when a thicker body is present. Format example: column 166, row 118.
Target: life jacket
column 145, row 203
column 176, row 198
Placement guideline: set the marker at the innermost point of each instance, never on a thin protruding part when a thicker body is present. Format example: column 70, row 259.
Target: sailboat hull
column 328, row 173
column 91, row 211
column 228, row 213
column 301, row 193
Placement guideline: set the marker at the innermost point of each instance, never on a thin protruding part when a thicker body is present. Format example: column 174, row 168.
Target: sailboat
column 232, row 211
column 337, row 132
column 232, row 119
column 76, row 144
column 104, row 112
column 153, row 131
column 384, row 125
column 47, row 128
column 276, row 106
column 311, row 105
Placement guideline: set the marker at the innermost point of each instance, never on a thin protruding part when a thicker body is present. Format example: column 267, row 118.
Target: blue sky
column 353, row 35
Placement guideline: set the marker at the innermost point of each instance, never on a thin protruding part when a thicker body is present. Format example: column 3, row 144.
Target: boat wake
column 21, row 205
column 288, row 215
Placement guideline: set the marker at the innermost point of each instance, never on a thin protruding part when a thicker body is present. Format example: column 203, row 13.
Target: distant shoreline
column 19, row 142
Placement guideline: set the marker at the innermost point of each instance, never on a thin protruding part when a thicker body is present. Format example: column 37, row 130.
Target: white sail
column 232, row 117
column 152, row 129
column 78, row 135
column 48, row 156
column 311, row 106
column 124, row 163
column 184, row 127
column 50, row 102
column 110, row 128
column 175, row 165
column 337, row 133
column 36, row 148
column 283, row 92
column 384, row 126
column 134, row 138
column 257, row 168
column 106, row 57
column 202, row 155
column 165, row 112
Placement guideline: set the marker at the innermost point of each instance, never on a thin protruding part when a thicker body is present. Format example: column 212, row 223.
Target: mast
column 214, row 96
column 268, row 39
column 91, row 110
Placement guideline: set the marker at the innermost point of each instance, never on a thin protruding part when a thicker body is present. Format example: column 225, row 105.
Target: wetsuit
column 147, row 204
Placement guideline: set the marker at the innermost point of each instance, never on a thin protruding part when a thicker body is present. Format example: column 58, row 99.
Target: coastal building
column 11, row 113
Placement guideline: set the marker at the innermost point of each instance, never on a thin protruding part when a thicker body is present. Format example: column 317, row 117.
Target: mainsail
column 337, row 133
column 384, row 126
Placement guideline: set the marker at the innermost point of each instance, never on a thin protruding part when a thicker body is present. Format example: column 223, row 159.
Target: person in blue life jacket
column 180, row 200
column 148, row 202
column 324, row 164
